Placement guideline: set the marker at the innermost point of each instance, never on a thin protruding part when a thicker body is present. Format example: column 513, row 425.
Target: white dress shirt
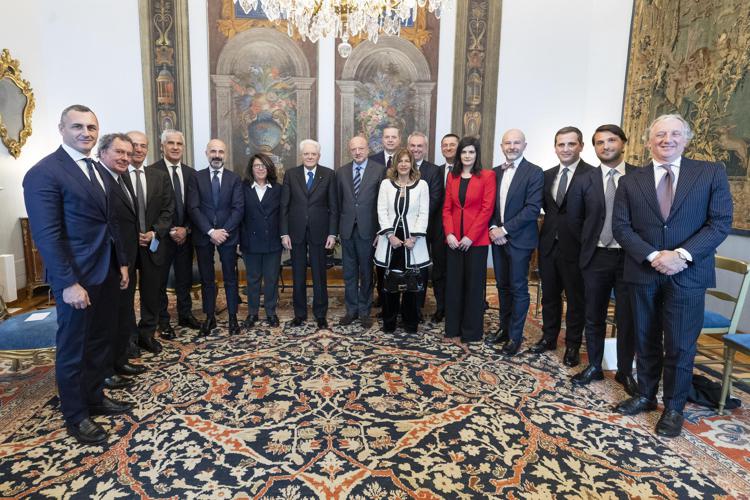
column 79, row 157
column 131, row 173
column 261, row 190
column 572, row 170
column 619, row 172
column 447, row 171
column 170, row 170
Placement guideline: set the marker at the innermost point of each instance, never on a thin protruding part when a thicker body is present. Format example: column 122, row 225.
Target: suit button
column 665, row 226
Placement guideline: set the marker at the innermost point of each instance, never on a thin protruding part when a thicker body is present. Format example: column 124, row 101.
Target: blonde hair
column 392, row 172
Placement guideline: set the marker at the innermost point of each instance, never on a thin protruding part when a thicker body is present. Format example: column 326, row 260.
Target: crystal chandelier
column 344, row 19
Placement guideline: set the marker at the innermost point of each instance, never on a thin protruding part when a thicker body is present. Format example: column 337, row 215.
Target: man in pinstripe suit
column 669, row 216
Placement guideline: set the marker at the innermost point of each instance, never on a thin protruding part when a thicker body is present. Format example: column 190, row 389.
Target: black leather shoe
column 420, row 317
column 110, row 406
column 322, row 322
column 234, row 326
column 133, row 350
column 87, row 432
column 273, row 321
column 542, row 346
column 298, row 321
column 149, row 344
column 628, row 382
column 166, row 331
column 635, row 405
column 511, row 348
column 438, row 316
column 130, row 369
column 588, row 375
column 250, row 320
column 366, row 323
column 670, row 423
column 572, row 357
column 208, row 325
column 347, row 319
column 190, row 322
column 500, row 337
column 117, row 382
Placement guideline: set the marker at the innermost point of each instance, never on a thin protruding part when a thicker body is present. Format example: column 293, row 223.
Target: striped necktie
column 357, row 180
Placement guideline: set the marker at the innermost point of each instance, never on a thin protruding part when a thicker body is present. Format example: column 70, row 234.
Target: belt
column 610, row 250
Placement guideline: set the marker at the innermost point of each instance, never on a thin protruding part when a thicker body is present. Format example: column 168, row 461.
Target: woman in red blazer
column 469, row 202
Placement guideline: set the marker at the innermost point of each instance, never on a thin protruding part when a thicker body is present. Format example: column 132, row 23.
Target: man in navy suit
column 559, row 251
column 75, row 229
column 309, row 225
column 590, row 208
column 216, row 205
column 514, row 234
column 669, row 217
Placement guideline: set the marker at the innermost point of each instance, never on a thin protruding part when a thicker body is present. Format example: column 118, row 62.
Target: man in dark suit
column 438, row 247
column 590, row 207
column 216, row 206
column 357, row 187
column 669, row 217
column 178, row 248
column 559, row 251
column 115, row 151
column 430, row 173
column 155, row 209
column 309, row 225
column 514, row 234
column 75, row 230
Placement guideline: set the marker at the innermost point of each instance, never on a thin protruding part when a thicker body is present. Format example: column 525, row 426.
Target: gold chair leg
column 726, row 383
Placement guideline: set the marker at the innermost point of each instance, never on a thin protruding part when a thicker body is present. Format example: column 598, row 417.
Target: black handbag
column 397, row 281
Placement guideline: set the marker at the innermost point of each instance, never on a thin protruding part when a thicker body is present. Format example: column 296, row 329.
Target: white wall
column 67, row 57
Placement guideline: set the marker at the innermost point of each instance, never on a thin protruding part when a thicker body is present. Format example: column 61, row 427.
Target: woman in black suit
column 260, row 240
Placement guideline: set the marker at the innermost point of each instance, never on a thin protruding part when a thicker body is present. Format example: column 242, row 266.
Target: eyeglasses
column 259, row 166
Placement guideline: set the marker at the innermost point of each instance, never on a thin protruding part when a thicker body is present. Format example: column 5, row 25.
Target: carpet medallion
column 299, row 413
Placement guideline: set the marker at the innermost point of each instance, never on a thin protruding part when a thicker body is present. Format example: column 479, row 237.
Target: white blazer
column 415, row 216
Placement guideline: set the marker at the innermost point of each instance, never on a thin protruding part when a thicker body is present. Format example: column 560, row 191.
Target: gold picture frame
column 16, row 105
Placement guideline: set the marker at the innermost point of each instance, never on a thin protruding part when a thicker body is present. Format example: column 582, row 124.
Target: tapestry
column 692, row 57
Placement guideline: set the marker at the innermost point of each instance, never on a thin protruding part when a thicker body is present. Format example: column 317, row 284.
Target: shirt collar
column 313, row 170
column 111, row 172
column 256, row 185
column 619, row 168
column 361, row 165
column 516, row 162
column 675, row 164
column 170, row 164
column 74, row 153
column 212, row 170
column 131, row 168
column 572, row 167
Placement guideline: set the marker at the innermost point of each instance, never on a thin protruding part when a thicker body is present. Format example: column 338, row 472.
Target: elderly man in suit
column 309, row 224
column 75, row 229
column 357, row 186
column 115, row 152
column 559, row 251
column 669, row 217
column 155, row 209
column 178, row 254
column 590, row 208
column 216, row 206
column 514, row 234
column 430, row 173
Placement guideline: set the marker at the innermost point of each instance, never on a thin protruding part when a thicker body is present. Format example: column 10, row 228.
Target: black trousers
column 149, row 285
column 228, row 257
column 262, row 267
column 82, row 355
column 559, row 275
column 404, row 303
column 512, row 278
column 602, row 275
column 439, row 254
column 179, row 257
column 317, row 254
column 125, row 325
column 667, row 319
column 466, row 278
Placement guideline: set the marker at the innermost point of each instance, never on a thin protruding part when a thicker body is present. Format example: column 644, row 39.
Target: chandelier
column 344, row 19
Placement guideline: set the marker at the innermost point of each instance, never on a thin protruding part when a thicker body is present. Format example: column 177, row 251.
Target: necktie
column 507, row 165
column 664, row 191
column 92, row 175
column 389, row 162
column 309, row 180
column 357, row 180
column 448, row 169
column 562, row 187
column 215, row 188
column 179, row 206
column 141, row 201
column 606, row 236
column 125, row 190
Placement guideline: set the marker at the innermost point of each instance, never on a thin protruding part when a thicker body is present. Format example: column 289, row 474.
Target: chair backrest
column 742, row 268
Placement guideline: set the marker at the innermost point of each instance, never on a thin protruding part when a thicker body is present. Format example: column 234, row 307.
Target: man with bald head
column 216, row 205
column 514, row 234
column 357, row 186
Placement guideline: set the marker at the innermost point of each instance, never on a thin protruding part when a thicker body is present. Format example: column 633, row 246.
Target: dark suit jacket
column 587, row 211
column 699, row 221
column 555, row 218
column 73, row 224
column 522, row 205
column 259, row 232
column 316, row 210
column 477, row 209
column 228, row 215
column 159, row 209
column 361, row 211
column 438, row 235
column 127, row 218
column 431, row 174
column 379, row 158
column 187, row 174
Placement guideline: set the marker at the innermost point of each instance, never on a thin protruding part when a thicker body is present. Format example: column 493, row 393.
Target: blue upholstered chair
column 22, row 340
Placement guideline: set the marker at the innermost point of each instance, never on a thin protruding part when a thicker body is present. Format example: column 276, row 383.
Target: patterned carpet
column 294, row 413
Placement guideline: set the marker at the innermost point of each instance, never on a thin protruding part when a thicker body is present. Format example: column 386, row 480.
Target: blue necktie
column 215, row 187
column 357, row 180
column 92, row 175
column 309, row 180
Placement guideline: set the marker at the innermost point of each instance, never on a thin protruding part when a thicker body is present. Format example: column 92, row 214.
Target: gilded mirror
column 16, row 105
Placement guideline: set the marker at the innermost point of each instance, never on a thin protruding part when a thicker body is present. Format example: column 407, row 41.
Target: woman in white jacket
column 403, row 211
